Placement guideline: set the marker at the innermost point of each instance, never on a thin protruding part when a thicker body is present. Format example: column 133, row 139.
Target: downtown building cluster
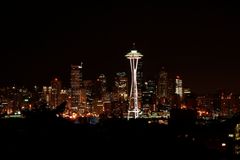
column 156, row 97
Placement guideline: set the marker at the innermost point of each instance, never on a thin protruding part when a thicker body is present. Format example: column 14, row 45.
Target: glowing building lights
column 179, row 87
column 133, row 56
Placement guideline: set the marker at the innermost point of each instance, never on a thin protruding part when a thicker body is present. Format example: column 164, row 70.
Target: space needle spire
column 133, row 57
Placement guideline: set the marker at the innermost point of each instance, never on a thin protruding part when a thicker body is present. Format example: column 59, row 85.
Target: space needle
column 133, row 56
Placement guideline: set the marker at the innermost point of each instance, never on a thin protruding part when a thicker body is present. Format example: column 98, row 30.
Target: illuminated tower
column 121, row 87
column 103, row 84
column 133, row 56
column 163, row 86
column 76, row 72
column 56, row 89
column 179, row 87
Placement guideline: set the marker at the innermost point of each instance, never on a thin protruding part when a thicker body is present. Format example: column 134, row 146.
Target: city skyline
column 197, row 41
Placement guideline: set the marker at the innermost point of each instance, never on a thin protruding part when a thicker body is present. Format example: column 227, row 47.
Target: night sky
column 199, row 41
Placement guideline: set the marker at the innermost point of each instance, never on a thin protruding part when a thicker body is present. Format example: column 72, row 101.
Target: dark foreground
column 109, row 139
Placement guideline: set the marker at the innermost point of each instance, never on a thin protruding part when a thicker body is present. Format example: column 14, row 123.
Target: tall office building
column 56, row 90
column 81, row 75
column 46, row 94
column 103, row 83
column 171, row 89
column 163, row 84
column 76, row 84
column 149, row 95
column 88, row 85
column 165, row 87
column 228, row 103
column 179, row 87
column 54, row 95
column 121, row 87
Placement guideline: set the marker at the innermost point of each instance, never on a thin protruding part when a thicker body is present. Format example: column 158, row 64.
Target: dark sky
column 199, row 41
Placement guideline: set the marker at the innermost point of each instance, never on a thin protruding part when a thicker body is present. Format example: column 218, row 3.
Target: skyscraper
column 133, row 56
column 179, row 87
column 163, row 84
column 165, row 87
column 76, row 84
column 121, row 87
column 149, row 96
column 56, row 89
column 103, row 83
